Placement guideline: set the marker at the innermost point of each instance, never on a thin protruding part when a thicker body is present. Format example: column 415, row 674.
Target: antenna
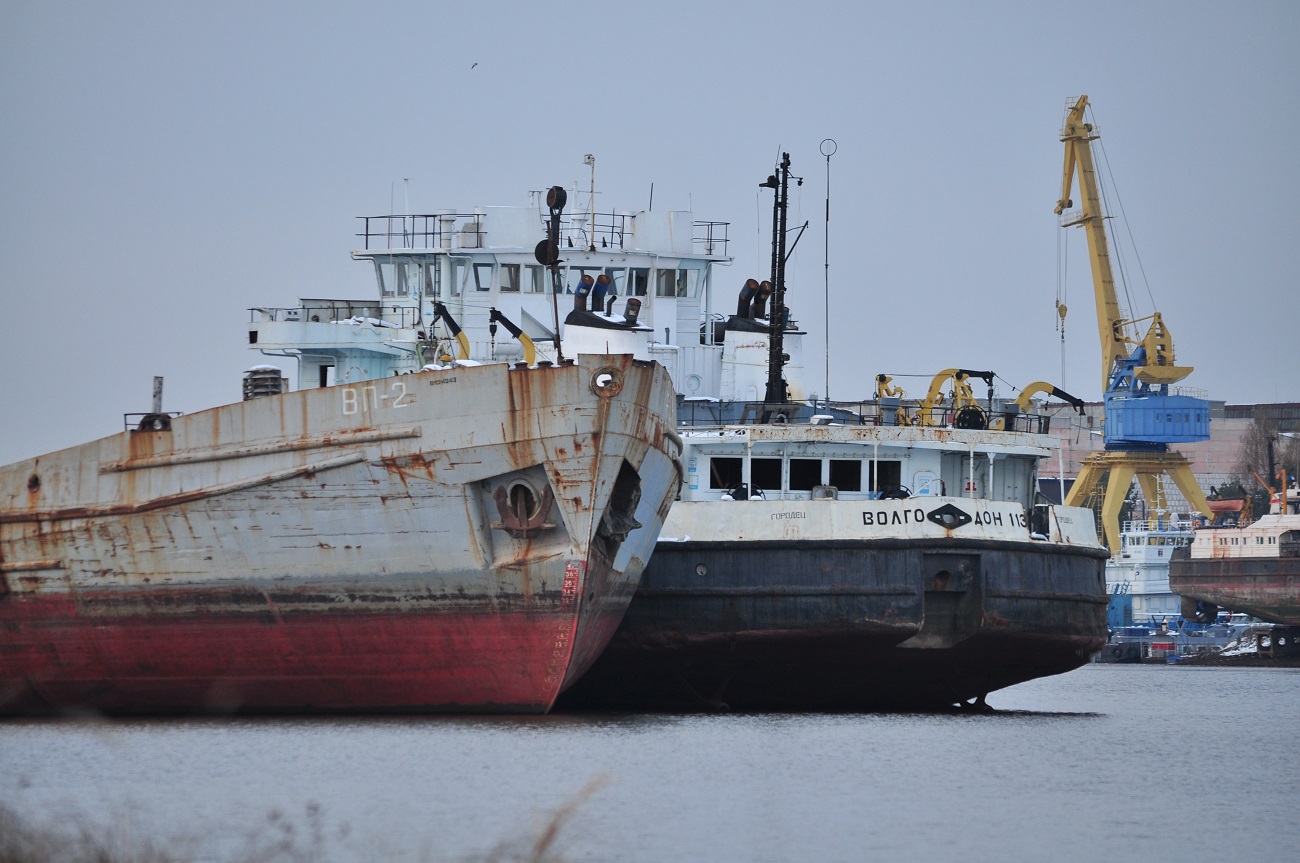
column 590, row 160
column 828, row 149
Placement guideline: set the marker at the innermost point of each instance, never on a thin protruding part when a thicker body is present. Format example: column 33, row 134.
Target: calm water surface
column 1104, row 763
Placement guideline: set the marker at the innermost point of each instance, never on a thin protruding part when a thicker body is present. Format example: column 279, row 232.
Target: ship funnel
column 585, row 285
column 631, row 311
column 598, row 293
column 747, row 292
column 759, row 307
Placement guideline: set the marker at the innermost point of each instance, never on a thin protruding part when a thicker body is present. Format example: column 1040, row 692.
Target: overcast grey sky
column 165, row 166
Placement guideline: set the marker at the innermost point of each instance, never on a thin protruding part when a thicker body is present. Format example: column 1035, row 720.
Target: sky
column 166, row 166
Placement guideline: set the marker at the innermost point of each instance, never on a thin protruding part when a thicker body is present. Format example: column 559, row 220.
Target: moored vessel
column 1145, row 617
column 393, row 535
column 891, row 554
column 829, row 567
column 1253, row 569
column 1137, row 576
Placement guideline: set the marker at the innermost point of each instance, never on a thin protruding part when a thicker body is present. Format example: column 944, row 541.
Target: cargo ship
column 398, row 533
column 891, row 554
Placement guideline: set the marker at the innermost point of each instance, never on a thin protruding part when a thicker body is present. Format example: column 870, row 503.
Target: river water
column 1109, row 762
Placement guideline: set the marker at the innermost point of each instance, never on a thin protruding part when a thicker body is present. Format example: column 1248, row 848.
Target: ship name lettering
column 885, row 518
column 780, row 515
column 369, row 398
column 993, row 518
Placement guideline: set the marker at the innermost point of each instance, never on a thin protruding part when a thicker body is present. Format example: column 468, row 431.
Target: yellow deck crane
column 1142, row 417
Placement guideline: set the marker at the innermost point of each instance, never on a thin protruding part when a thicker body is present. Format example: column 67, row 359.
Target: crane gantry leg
column 1120, row 468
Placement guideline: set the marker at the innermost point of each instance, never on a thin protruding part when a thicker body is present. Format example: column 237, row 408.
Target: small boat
column 397, row 534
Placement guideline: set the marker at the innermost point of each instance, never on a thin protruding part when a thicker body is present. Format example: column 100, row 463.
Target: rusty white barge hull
column 454, row 541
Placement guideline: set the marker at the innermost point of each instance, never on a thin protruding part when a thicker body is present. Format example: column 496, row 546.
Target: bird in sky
column 473, row 66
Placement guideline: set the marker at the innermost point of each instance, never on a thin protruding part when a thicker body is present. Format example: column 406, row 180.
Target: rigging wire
column 1117, row 252
column 1128, row 227
column 1062, row 288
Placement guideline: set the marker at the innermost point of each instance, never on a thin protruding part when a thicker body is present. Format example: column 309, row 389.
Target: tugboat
column 402, row 532
column 1145, row 617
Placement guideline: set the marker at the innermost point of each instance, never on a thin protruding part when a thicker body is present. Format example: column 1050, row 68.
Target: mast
column 776, row 390
column 547, row 254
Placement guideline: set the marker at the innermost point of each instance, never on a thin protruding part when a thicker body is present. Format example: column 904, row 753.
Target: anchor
column 516, row 521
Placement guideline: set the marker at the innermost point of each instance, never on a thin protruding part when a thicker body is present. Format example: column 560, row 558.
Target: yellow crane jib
column 890, row 400
column 530, row 350
column 462, row 341
column 1024, row 401
column 964, row 411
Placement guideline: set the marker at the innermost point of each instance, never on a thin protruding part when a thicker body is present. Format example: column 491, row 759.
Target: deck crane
column 1141, row 416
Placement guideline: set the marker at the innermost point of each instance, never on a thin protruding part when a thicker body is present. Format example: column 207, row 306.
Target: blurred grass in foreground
column 278, row 840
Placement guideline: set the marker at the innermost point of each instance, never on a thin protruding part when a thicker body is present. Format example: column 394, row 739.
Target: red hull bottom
column 321, row 663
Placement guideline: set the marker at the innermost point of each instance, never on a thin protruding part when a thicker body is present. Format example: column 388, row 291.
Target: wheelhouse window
column 617, row 277
column 483, row 277
column 805, row 473
column 638, row 281
column 671, row 283
column 431, row 279
column 399, row 278
column 846, row 474
column 536, row 277
column 886, row 475
column 459, row 272
column 765, row 473
column 725, row 472
column 510, row 277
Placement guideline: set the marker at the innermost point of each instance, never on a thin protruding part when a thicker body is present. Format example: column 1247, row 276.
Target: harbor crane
column 1142, row 416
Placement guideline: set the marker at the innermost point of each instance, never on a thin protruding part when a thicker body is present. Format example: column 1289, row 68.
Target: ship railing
column 329, row 311
column 601, row 231
column 423, row 232
column 711, row 237
column 882, row 412
column 1158, row 524
column 137, row 421
column 1192, row 392
column 458, row 231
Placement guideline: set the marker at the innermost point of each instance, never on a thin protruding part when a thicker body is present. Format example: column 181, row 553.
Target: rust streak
column 179, row 498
